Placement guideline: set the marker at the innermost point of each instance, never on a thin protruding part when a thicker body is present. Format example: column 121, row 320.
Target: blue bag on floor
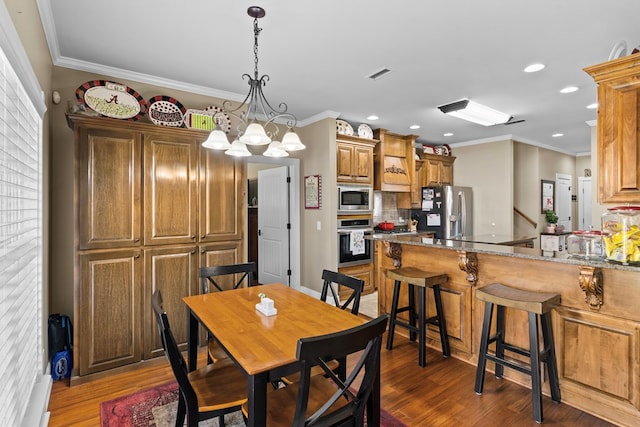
column 60, row 346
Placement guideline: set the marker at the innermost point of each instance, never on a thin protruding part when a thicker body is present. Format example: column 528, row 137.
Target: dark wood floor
column 439, row 395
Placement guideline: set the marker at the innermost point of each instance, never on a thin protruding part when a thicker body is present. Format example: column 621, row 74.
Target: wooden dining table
column 264, row 347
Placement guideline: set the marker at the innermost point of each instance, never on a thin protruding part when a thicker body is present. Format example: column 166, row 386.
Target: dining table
column 264, row 347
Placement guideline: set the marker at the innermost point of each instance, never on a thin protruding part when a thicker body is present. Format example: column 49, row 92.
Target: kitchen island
column 596, row 327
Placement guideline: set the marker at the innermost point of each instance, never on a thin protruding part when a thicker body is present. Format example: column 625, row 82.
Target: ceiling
column 319, row 55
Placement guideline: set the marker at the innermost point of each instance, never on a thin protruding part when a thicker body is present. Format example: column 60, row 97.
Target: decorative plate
column 166, row 111
column 364, row 131
column 222, row 119
column 112, row 99
column 619, row 50
column 344, row 128
column 199, row 119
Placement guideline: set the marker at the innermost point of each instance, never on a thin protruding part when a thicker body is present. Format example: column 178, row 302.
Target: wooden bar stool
column 538, row 305
column 416, row 278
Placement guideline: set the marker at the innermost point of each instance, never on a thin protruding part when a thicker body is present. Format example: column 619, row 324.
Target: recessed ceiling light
column 569, row 89
column 373, row 117
column 592, row 106
column 557, row 135
column 447, row 134
column 414, row 127
column 533, row 68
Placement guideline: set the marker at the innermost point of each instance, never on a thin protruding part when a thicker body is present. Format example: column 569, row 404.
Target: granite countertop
column 424, row 239
column 498, row 239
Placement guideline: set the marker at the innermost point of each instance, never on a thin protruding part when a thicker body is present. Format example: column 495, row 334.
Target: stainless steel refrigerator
column 447, row 211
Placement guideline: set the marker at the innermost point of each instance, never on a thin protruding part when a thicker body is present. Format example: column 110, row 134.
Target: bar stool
column 538, row 305
column 416, row 278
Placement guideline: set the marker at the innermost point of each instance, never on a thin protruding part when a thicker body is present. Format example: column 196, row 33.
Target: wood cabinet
column 363, row 272
column 618, row 129
column 152, row 207
column 354, row 159
column 437, row 170
column 394, row 161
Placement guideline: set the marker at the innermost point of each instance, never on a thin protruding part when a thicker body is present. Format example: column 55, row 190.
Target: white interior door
column 563, row 200
column 584, row 203
column 273, row 226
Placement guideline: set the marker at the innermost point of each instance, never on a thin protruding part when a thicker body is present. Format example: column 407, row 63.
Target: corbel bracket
column 393, row 251
column 468, row 262
column 590, row 281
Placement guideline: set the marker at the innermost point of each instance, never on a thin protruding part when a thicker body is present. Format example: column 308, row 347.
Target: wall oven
column 355, row 199
column 353, row 249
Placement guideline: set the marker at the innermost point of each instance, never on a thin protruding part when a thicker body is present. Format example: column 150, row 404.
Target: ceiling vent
column 379, row 74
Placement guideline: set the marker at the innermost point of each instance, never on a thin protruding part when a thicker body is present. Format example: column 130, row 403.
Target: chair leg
column 221, row 420
column 394, row 313
column 534, row 350
column 500, row 339
column 442, row 325
column 484, row 346
column 412, row 311
column 421, row 327
column 182, row 410
column 549, row 348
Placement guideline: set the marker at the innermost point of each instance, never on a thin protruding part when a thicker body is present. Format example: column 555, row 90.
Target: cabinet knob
column 193, row 252
column 136, row 256
column 137, row 239
column 201, row 251
column 193, row 237
column 203, row 236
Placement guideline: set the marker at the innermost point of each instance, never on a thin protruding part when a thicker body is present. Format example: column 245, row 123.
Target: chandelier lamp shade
column 256, row 116
column 473, row 112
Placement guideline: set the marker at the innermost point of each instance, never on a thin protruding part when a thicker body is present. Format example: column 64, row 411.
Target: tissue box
column 266, row 307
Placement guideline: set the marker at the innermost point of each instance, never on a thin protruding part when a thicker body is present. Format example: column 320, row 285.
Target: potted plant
column 552, row 220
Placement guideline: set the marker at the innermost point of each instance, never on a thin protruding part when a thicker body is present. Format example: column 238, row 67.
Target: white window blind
column 20, row 247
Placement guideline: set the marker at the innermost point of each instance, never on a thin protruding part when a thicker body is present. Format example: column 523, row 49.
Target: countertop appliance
column 447, row 211
column 355, row 199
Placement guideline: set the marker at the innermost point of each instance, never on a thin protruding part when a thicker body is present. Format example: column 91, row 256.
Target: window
column 21, row 363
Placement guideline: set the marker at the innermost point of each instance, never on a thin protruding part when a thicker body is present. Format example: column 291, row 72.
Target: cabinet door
column 446, row 173
column 170, row 190
column 431, row 172
column 344, row 162
column 222, row 206
column 108, row 188
column 363, row 272
column 363, row 165
column 173, row 271
column 108, row 311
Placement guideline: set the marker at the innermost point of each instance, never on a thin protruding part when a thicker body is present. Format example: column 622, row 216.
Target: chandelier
column 255, row 107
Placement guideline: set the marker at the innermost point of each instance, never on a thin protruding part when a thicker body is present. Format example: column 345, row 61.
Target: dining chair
column 331, row 278
column 328, row 400
column 211, row 391
column 220, row 278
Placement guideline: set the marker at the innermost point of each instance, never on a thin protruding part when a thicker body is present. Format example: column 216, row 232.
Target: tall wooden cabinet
column 152, row 207
column 618, row 129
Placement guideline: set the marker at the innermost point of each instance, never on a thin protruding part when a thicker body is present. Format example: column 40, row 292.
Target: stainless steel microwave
column 355, row 198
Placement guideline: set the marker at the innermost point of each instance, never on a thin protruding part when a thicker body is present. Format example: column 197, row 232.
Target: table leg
column 192, row 342
column 257, row 400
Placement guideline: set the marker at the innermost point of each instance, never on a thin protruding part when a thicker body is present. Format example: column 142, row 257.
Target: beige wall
column 526, row 189
column 319, row 248
column 488, row 168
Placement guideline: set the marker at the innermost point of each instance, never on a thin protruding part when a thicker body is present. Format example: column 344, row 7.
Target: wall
column 488, row 168
column 526, row 190
column 319, row 248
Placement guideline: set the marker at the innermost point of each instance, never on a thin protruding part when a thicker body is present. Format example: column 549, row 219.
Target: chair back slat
column 356, row 285
column 215, row 278
column 315, row 351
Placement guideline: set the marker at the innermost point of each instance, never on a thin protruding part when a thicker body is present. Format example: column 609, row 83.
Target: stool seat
column 533, row 302
column 538, row 305
column 420, row 279
column 417, row 277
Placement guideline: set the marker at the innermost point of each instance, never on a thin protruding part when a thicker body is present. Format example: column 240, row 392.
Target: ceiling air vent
column 379, row 74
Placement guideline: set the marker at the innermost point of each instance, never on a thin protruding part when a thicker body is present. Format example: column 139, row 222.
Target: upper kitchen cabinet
column 108, row 170
column 437, row 170
column 618, row 129
column 354, row 159
column 394, row 161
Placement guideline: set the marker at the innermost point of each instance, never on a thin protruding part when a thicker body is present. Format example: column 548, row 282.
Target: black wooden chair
column 327, row 400
column 220, row 278
column 208, row 392
column 356, row 285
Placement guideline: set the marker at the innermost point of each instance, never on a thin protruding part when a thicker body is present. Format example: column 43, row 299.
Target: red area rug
column 157, row 407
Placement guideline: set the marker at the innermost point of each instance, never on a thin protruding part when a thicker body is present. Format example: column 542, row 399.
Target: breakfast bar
column 596, row 327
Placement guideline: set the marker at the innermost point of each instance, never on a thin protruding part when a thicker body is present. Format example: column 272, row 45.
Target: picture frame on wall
column 547, row 191
column 312, row 192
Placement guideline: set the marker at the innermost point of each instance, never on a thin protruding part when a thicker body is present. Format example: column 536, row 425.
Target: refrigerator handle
column 463, row 212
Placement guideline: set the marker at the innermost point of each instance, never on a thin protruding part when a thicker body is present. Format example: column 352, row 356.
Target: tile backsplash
column 385, row 209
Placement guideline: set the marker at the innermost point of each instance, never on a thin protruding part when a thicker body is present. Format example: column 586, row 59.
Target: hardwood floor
column 439, row 395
